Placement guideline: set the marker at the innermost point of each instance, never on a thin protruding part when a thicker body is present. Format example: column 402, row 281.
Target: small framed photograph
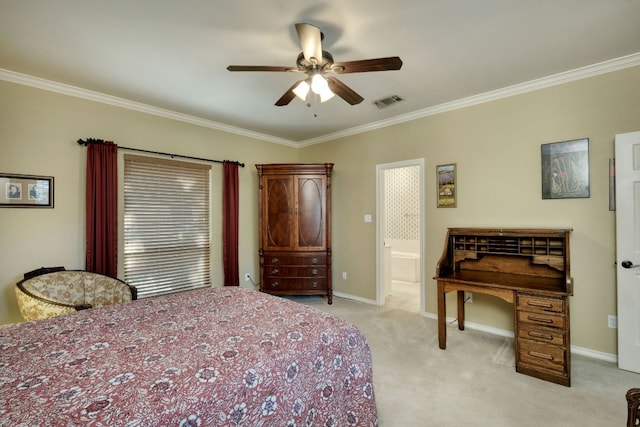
column 565, row 169
column 26, row 191
column 446, row 179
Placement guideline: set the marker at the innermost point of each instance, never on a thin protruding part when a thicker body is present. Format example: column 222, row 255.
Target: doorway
column 400, row 233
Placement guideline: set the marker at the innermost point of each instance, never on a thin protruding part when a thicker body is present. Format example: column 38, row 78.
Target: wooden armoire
column 295, row 228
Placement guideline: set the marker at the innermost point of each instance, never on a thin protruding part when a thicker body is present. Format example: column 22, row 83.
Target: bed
column 213, row 357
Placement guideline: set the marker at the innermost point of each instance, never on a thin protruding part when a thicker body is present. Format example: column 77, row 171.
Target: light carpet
column 473, row 382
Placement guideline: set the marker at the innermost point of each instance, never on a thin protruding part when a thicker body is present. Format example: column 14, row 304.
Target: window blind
column 166, row 225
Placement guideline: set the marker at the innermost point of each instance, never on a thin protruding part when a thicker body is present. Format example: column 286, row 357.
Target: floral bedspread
column 214, row 357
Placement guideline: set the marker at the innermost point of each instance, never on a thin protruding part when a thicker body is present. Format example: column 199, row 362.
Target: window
column 166, row 225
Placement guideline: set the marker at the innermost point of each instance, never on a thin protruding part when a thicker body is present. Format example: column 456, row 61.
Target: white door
column 628, row 249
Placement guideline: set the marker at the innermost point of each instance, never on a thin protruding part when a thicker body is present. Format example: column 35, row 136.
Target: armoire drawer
column 305, row 271
column 314, row 284
column 292, row 260
column 276, row 284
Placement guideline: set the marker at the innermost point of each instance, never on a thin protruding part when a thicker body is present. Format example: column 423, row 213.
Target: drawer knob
column 314, row 260
column 275, row 271
column 540, row 319
column 315, row 284
column 314, row 271
column 274, row 260
column 274, row 284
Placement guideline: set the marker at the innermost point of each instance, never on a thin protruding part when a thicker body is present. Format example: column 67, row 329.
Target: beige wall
column 38, row 134
column 496, row 146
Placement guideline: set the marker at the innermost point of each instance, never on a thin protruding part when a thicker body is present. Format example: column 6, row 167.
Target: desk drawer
column 541, row 319
column 541, row 334
column 543, row 355
column 540, row 304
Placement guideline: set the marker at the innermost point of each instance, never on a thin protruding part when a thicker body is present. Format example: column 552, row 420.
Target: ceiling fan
column 315, row 63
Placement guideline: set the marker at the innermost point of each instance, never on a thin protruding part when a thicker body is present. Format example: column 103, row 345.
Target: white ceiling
column 172, row 54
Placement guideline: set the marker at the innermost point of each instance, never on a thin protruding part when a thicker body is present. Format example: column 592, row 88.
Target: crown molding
column 537, row 84
column 65, row 89
column 628, row 61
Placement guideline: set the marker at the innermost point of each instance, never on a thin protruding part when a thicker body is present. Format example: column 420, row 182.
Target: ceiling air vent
column 390, row 100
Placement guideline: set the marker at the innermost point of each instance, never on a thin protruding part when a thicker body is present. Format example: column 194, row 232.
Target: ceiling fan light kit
column 317, row 84
column 316, row 62
column 302, row 89
column 320, row 86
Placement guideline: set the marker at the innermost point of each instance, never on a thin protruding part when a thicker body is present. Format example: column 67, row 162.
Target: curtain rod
column 100, row 141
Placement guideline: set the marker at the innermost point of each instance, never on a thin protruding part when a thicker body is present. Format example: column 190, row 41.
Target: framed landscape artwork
column 446, row 179
column 565, row 169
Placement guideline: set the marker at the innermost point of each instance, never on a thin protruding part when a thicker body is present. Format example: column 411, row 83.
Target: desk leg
column 461, row 310
column 442, row 317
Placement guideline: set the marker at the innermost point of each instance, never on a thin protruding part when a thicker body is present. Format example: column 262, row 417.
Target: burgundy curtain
column 102, row 208
column 230, row 223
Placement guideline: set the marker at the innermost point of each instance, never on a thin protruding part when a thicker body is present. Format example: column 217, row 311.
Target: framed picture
column 26, row 191
column 565, row 169
column 446, row 178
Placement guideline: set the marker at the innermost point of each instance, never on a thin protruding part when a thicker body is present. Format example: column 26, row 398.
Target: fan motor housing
column 305, row 65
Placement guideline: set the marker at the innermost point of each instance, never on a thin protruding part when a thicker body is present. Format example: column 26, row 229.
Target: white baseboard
column 607, row 357
column 404, row 282
column 355, row 298
column 587, row 352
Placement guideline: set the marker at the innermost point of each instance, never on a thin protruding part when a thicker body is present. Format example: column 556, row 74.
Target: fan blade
column 288, row 95
column 365, row 65
column 344, row 91
column 259, row 68
column 310, row 41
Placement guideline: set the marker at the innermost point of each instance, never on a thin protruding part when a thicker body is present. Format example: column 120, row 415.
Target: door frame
column 380, row 297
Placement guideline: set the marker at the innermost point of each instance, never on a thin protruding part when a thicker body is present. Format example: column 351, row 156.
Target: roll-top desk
column 529, row 268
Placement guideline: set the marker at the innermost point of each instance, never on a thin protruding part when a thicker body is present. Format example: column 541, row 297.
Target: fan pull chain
column 313, row 103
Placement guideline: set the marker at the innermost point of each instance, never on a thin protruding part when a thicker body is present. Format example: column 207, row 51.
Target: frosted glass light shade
column 302, row 90
column 320, row 86
column 326, row 95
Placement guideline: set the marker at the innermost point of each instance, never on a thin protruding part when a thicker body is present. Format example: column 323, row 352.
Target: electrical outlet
column 344, row 275
column 247, row 277
column 612, row 321
column 468, row 297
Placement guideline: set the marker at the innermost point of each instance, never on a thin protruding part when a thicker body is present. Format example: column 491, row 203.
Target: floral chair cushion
column 62, row 292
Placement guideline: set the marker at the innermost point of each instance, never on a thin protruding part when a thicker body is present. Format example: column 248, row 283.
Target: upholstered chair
column 53, row 291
